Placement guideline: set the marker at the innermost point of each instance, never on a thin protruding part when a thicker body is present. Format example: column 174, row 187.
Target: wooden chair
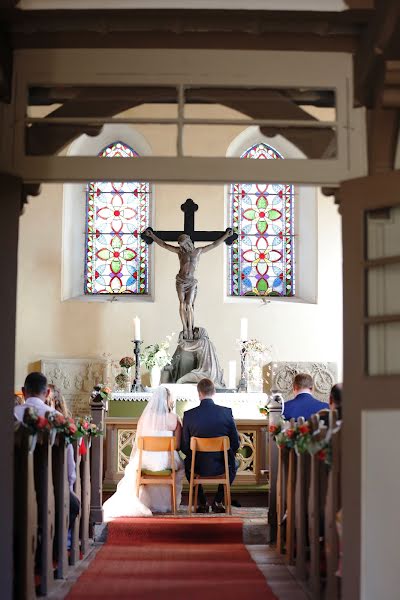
column 165, row 477
column 216, row 444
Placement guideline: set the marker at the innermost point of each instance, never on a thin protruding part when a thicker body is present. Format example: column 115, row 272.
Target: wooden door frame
column 361, row 390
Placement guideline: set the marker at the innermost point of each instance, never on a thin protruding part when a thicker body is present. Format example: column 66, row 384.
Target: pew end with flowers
column 53, row 423
column 304, row 437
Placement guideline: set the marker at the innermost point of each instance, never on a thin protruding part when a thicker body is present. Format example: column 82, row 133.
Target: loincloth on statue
column 186, row 284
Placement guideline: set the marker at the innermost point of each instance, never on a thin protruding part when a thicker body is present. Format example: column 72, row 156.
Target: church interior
column 261, row 146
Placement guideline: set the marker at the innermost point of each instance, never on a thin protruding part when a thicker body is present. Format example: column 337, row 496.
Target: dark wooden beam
column 46, row 139
column 383, row 131
column 5, row 65
column 280, row 30
column 369, row 62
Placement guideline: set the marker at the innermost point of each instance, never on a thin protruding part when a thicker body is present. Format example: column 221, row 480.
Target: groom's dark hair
column 206, row 388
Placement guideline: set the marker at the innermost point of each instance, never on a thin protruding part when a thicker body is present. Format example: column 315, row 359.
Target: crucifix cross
column 189, row 208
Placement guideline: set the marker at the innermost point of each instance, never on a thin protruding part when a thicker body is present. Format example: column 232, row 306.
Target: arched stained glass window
column 261, row 260
column 116, row 256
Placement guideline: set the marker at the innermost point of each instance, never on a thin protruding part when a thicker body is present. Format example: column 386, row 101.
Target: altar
column 125, row 409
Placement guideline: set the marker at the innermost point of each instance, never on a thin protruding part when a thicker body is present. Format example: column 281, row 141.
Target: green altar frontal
column 134, row 409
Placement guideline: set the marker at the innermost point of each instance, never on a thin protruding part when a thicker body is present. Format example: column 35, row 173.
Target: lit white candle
column 243, row 329
column 232, row 374
column 136, row 328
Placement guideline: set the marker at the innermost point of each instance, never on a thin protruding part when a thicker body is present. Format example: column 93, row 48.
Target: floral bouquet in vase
column 123, row 379
column 155, row 357
column 256, row 355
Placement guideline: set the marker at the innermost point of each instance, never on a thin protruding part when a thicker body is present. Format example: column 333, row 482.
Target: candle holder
column 242, row 387
column 137, row 382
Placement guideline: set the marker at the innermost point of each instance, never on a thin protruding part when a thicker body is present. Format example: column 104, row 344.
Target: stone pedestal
column 194, row 360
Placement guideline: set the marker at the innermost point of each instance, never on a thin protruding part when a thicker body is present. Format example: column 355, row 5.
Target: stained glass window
column 261, row 260
column 116, row 256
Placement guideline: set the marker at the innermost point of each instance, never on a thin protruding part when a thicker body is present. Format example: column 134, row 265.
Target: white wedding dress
column 156, row 420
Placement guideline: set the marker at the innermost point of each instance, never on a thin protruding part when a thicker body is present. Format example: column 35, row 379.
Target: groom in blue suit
column 303, row 404
column 206, row 421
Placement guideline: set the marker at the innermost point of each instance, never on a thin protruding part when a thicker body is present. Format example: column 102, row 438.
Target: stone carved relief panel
column 75, row 377
column 324, row 376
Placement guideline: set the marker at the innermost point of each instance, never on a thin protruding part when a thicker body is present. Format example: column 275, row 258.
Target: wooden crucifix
column 189, row 256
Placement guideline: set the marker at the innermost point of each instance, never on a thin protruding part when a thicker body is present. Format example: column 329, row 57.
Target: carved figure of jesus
column 186, row 284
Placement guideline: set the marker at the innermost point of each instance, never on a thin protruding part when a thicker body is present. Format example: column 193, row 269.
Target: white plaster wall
column 380, row 492
column 48, row 327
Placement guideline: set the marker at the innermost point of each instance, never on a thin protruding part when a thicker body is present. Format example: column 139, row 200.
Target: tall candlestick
column 136, row 328
column 232, row 374
column 137, row 382
column 244, row 329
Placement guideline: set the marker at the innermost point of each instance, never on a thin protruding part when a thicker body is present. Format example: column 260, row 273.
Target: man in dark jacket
column 206, row 421
column 303, row 404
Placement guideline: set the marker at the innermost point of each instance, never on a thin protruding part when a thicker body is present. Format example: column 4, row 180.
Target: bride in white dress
column 157, row 420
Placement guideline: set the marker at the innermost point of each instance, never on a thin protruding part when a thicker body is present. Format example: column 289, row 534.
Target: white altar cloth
column 243, row 405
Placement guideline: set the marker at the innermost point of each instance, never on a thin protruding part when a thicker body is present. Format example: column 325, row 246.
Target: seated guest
column 18, row 399
column 57, row 402
column 36, row 392
column 206, row 421
column 335, row 400
column 303, row 404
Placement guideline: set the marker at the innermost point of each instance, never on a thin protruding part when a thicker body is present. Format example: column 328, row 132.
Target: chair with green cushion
column 164, row 477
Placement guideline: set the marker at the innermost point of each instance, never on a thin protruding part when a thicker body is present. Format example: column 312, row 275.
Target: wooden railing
column 42, row 505
column 308, row 499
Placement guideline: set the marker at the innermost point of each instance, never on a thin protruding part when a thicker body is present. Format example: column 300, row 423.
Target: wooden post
column 75, row 542
column 275, row 410
column 281, row 497
column 96, row 502
column 61, row 496
column 85, row 497
column 331, row 508
column 10, row 195
column 290, row 507
column 25, row 517
column 314, row 520
column 301, row 511
column 45, row 499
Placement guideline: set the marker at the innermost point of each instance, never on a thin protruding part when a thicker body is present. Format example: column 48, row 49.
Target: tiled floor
column 278, row 575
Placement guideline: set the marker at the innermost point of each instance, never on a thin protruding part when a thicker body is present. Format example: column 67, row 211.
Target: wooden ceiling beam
column 309, row 42
column 383, row 131
column 45, row 139
column 369, row 62
column 5, row 67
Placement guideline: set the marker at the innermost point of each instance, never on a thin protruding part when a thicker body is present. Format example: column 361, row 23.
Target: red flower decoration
column 304, row 429
column 42, row 423
column 290, row 433
column 321, row 455
column 272, row 428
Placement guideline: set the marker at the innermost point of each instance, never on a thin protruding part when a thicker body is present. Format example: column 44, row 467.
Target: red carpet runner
column 175, row 559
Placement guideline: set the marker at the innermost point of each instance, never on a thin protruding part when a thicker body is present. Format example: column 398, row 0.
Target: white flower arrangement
column 157, row 355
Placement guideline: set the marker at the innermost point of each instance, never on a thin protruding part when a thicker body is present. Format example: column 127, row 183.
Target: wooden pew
column 75, row 542
column 85, row 497
column 281, row 497
column 301, row 495
column 25, row 516
column 45, row 502
column 61, row 496
column 332, row 506
column 290, row 502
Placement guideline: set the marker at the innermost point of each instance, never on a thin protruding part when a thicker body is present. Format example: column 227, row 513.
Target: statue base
column 194, row 360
